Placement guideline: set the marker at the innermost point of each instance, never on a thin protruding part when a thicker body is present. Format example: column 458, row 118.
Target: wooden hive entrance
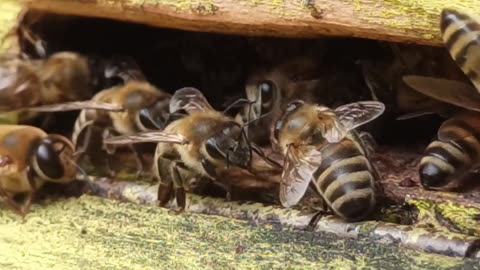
column 219, row 65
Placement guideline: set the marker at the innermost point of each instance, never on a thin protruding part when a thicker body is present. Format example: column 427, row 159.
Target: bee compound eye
column 266, row 90
column 48, row 161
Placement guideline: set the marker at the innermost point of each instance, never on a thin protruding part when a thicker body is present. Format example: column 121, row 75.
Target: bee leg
column 210, row 169
column 31, row 195
column 107, row 133
column 260, row 152
column 164, row 193
column 10, row 202
column 171, row 182
column 179, row 184
column 82, row 150
column 25, row 208
column 140, row 161
column 322, row 208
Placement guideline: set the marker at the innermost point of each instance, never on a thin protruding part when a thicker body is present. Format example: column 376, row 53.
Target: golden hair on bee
column 322, row 150
column 202, row 143
column 461, row 36
column 144, row 107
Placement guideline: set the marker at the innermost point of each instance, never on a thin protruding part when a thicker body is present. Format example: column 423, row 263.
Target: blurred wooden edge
column 398, row 21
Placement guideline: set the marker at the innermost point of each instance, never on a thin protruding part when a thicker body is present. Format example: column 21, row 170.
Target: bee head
column 154, row 116
column 230, row 143
column 262, row 95
column 148, row 108
column 52, row 159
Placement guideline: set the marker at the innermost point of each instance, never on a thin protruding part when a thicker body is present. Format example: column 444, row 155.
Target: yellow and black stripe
column 455, row 151
column 345, row 180
column 461, row 35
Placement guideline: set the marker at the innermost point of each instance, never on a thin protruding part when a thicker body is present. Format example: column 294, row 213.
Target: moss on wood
column 95, row 233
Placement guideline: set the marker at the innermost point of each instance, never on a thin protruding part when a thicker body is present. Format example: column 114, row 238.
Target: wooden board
column 391, row 20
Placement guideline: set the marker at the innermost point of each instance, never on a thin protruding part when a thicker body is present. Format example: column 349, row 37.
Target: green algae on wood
column 391, row 20
column 447, row 216
column 94, row 233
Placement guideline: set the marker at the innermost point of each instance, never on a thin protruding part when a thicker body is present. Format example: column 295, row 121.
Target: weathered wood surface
column 94, row 233
column 422, row 238
column 8, row 19
column 391, row 20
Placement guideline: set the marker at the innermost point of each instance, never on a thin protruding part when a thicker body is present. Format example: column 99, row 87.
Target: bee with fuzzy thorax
column 203, row 143
column 270, row 90
column 322, row 150
column 67, row 79
column 28, row 158
column 455, row 153
column 144, row 107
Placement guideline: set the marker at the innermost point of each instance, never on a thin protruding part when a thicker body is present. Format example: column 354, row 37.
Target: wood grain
column 390, row 20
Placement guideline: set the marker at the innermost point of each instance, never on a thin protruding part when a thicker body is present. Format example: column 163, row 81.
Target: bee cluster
column 295, row 127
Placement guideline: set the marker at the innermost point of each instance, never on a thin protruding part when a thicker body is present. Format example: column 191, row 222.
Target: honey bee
column 269, row 91
column 65, row 79
column 455, row 153
column 29, row 157
column 144, row 108
column 461, row 38
column 321, row 149
column 202, row 143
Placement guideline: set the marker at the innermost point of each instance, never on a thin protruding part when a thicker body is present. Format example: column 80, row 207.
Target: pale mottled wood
column 402, row 21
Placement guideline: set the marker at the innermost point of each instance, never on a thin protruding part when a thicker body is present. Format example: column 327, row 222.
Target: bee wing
column 355, row 114
column 75, row 105
column 190, row 100
column 449, row 91
column 151, row 136
column 299, row 165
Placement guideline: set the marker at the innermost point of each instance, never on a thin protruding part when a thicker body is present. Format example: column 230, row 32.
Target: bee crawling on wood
column 29, row 157
column 203, row 143
column 144, row 108
column 455, row 153
column 323, row 151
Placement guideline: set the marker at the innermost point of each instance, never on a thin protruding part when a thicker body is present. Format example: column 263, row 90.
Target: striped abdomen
column 87, row 117
column 461, row 35
column 345, row 180
column 454, row 153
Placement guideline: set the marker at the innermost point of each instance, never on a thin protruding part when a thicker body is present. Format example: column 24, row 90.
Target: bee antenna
column 238, row 102
column 81, row 170
column 258, row 118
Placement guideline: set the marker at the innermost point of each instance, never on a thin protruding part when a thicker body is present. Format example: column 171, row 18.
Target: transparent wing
column 190, row 100
column 299, row 165
column 449, row 91
column 75, row 105
column 151, row 136
column 355, row 114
